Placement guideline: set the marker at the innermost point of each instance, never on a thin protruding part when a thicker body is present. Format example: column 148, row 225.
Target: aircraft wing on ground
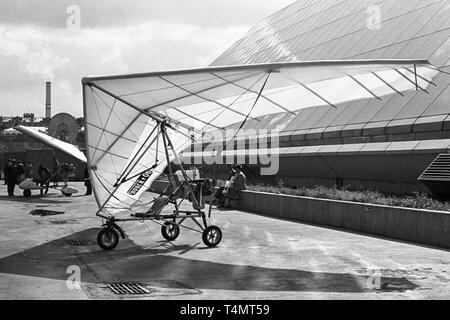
column 62, row 146
column 122, row 113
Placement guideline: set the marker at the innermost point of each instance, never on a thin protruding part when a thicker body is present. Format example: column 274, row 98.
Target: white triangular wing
column 121, row 112
column 65, row 147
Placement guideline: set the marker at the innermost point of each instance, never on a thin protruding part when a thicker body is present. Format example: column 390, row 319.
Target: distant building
column 63, row 126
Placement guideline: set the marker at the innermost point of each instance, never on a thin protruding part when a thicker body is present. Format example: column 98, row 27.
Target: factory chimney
column 48, row 100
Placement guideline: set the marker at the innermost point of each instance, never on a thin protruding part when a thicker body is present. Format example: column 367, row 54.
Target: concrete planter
column 411, row 225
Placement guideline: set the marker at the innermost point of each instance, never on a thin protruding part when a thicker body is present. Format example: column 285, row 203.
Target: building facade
column 365, row 144
column 16, row 145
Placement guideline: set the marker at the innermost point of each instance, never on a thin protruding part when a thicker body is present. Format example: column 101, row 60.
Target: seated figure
column 236, row 184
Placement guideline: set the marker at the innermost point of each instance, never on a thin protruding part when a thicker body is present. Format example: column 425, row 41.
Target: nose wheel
column 170, row 231
column 212, row 236
column 108, row 239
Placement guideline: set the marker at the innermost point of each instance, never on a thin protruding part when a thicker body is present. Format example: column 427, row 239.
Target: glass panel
column 392, row 106
column 439, row 22
column 299, row 119
column 315, row 116
column 426, row 15
column 355, row 109
column 411, row 47
column 442, row 54
column 440, row 105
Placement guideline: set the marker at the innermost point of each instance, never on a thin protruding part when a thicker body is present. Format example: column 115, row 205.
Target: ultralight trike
column 179, row 190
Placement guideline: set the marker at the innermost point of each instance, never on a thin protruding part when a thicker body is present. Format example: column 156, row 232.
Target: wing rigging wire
column 388, row 84
column 125, row 173
column 197, row 119
column 237, row 99
column 185, row 84
column 251, row 110
column 111, row 133
column 117, row 116
column 114, row 154
column 206, row 99
column 364, row 87
column 103, row 128
column 263, row 96
column 312, row 91
column 417, row 75
column 414, row 83
column 201, row 91
column 102, row 135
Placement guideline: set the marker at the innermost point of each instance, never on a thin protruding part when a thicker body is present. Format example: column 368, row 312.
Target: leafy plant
column 416, row 200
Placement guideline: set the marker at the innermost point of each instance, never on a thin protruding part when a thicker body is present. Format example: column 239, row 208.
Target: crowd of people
column 16, row 172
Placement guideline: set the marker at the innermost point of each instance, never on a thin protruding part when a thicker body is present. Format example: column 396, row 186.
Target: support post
column 168, row 144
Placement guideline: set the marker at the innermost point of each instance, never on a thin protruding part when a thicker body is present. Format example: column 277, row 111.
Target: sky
column 63, row 41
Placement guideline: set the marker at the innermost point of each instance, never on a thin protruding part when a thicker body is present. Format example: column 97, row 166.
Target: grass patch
column 416, row 200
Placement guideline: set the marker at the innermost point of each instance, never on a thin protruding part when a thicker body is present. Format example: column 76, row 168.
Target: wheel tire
column 27, row 193
column 212, row 236
column 170, row 231
column 66, row 194
column 108, row 239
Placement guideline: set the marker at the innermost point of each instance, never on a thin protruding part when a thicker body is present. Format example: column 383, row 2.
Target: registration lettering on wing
column 140, row 182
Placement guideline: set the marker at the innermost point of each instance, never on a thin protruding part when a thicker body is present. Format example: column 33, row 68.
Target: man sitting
column 236, row 185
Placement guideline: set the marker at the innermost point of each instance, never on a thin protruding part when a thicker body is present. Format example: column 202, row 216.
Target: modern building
column 366, row 144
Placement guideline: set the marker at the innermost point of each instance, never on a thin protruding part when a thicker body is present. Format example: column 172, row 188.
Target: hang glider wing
column 62, row 146
column 122, row 112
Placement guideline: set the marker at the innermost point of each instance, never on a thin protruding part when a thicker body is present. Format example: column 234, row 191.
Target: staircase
column 437, row 176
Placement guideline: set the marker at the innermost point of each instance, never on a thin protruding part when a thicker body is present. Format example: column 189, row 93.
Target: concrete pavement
column 259, row 258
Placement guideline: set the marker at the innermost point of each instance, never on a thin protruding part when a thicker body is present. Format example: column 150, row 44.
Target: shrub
column 416, row 200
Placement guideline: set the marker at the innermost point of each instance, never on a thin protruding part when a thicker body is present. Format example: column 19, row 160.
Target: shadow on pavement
column 44, row 213
column 35, row 199
column 131, row 263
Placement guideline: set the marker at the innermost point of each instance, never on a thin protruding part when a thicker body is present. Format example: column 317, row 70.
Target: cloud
column 116, row 37
column 34, row 55
column 114, row 13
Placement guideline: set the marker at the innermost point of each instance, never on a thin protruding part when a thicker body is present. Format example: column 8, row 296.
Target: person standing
column 4, row 171
column 11, row 174
column 20, row 172
column 29, row 170
column 87, row 182
column 45, row 176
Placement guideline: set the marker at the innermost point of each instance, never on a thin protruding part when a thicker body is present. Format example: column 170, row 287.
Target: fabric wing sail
column 126, row 152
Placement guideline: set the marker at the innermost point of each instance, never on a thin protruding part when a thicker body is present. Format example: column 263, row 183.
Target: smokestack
column 48, row 99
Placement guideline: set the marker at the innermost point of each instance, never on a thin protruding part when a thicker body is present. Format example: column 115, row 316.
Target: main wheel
column 170, row 231
column 27, row 193
column 66, row 194
column 108, row 239
column 212, row 236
